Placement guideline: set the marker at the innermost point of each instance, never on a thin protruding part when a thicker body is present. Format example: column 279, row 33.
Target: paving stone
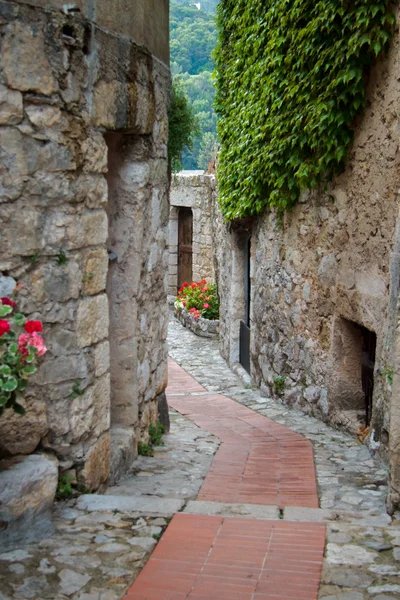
column 72, row 582
column 31, row 587
column 377, row 589
column 202, row 507
column 149, row 506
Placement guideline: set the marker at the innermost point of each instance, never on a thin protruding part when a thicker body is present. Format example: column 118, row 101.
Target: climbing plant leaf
column 290, row 77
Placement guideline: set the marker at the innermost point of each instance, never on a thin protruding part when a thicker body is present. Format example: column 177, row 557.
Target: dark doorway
column 367, row 370
column 244, row 340
column 354, row 350
column 185, row 250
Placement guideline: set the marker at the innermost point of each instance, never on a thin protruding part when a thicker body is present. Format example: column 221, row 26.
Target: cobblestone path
column 101, row 542
column 230, row 552
column 258, row 462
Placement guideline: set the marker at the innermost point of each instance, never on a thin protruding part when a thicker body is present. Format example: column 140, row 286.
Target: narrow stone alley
column 237, row 477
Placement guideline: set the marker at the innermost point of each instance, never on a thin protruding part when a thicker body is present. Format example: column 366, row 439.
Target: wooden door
column 185, row 241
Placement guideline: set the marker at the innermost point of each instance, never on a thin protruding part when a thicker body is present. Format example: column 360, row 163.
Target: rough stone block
column 21, row 434
column 63, row 368
column 97, row 464
column 90, row 229
column 95, row 276
column 11, row 107
column 24, row 60
column 101, row 358
column 92, row 320
column 123, row 451
column 27, row 489
column 94, row 150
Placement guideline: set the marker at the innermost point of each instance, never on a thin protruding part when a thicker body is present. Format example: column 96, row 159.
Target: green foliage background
column 193, row 35
column 183, row 127
column 291, row 78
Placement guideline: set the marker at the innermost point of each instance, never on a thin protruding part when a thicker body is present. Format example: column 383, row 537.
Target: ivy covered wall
column 291, row 77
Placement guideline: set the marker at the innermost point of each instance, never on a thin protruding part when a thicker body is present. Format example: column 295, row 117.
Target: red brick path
column 223, row 558
column 215, row 558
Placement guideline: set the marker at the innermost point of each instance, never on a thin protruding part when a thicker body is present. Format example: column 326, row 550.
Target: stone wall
column 328, row 267
column 198, row 193
column 83, row 170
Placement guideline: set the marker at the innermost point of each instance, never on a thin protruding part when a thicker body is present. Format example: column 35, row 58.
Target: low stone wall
column 201, row 327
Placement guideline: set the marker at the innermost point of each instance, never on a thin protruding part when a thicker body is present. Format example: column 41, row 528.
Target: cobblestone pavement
column 362, row 553
column 101, row 542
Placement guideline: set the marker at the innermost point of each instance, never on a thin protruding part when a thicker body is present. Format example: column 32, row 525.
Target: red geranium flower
column 185, row 284
column 33, row 326
column 4, row 327
column 8, row 302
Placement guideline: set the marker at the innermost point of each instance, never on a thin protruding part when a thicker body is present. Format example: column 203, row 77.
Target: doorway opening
column 354, row 351
column 185, row 246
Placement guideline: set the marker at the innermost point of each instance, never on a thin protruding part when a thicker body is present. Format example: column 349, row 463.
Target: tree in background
column 193, row 38
column 183, row 127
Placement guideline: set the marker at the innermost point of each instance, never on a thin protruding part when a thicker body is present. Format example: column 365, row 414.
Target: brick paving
column 216, row 558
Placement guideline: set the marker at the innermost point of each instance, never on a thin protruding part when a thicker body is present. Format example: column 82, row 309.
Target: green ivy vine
column 290, row 78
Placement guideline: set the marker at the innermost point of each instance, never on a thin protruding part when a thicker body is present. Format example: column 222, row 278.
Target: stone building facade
column 321, row 286
column 84, row 89
column 193, row 196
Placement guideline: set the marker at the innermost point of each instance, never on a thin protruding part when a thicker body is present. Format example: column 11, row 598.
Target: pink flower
column 205, row 289
column 35, row 340
column 206, row 305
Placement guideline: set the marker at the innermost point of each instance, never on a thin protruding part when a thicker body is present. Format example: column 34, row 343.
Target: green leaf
column 10, row 359
column 10, row 384
column 18, row 408
column 22, row 384
column 29, row 370
column 19, row 319
column 5, row 310
column 5, row 370
column 13, row 349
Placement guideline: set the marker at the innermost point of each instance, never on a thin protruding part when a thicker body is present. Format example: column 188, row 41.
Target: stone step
column 150, row 506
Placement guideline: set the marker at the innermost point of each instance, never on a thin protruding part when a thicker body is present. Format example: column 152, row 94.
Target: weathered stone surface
column 101, row 358
column 123, row 451
column 11, row 107
column 163, row 412
column 95, row 275
column 97, row 464
column 32, row 587
column 92, row 320
column 27, row 489
column 349, row 555
column 64, row 82
column 24, row 60
column 72, row 582
column 94, row 151
column 150, row 506
column 21, row 434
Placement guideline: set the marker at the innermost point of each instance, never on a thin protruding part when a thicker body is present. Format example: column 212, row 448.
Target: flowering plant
column 20, row 347
column 200, row 299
